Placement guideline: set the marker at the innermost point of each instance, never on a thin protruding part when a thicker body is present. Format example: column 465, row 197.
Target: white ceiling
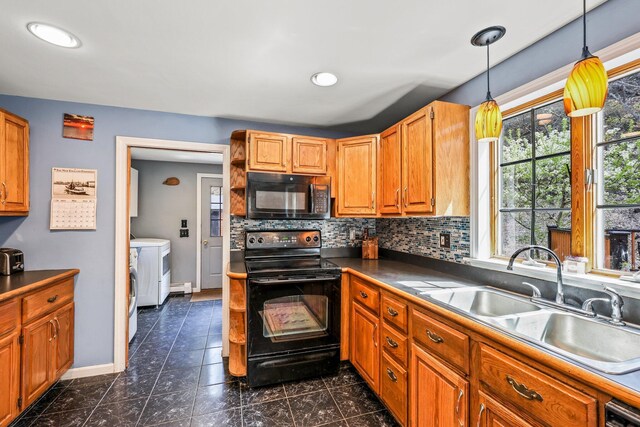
column 253, row 59
column 158, row 155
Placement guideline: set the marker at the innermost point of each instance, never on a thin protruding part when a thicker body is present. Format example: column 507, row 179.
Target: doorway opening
column 161, row 215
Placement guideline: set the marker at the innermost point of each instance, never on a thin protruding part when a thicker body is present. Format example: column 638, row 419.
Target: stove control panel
column 289, row 239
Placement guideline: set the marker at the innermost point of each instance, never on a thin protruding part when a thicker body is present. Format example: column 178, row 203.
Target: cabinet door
column 439, row 396
column 268, row 152
column 390, row 171
column 365, row 354
column 63, row 343
column 417, row 170
column 357, row 176
column 37, row 358
column 9, row 377
column 14, row 164
column 490, row 413
column 309, row 155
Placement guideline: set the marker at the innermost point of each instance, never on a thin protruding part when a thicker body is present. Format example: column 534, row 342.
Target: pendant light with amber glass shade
column 587, row 86
column 488, row 118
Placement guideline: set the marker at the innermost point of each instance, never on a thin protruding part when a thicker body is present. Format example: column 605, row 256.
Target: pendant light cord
column 585, row 49
column 488, row 90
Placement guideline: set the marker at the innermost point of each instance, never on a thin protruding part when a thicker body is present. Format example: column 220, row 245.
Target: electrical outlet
column 184, row 232
column 352, row 234
column 445, row 240
column 184, row 223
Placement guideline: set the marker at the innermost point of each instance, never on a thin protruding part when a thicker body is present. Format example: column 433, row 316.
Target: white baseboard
column 181, row 287
column 89, row 371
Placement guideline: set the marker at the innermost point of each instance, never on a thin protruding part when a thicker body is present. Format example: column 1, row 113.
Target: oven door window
column 295, row 317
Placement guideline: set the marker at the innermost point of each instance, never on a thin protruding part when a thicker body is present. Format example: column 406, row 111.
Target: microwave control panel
column 321, row 199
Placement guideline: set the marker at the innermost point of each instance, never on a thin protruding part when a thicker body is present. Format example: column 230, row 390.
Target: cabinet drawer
column 9, row 315
column 393, row 388
column 395, row 313
column 365, row 294
column 395, row 344
column 46, row 300
column 541, row 396
column 451, row 345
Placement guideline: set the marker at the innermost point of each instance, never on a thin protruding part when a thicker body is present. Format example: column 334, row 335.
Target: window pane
column 622, row 109
column 516, row 138
column 215, row 228
column 621, row 171
column 553, row 130
column 621, row 238
column 515, row 231
column 553, row 182
column 516, row 186
column 553, row 230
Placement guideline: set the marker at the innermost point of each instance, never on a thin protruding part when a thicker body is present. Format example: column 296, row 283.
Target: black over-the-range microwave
column 281, row 196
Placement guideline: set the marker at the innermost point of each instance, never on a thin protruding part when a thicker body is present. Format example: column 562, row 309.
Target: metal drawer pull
column 392, row 375
column 523, row 391
column 363, row 294
column 392, row 312
column 482, row 408
column 52, row 299
column 435, row 337
column 392, row 343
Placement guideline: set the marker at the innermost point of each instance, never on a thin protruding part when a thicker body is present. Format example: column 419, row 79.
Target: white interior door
column 212, row 205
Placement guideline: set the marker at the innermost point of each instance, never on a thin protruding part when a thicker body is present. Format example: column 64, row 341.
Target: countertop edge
column 63, row 274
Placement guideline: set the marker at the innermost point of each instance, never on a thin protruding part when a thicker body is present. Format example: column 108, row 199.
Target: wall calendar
column 73, row 199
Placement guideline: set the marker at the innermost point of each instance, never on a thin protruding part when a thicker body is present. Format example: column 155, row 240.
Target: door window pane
column 215, row 212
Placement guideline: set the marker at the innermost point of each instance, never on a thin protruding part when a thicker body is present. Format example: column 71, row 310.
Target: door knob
column 205, row 242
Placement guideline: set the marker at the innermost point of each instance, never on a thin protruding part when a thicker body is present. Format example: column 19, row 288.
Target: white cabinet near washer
column 154, row 270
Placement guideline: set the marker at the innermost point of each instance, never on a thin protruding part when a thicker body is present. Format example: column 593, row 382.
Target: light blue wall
column 93, row 251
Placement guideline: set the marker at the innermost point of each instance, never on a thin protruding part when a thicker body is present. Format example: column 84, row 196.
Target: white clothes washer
column 154, row 270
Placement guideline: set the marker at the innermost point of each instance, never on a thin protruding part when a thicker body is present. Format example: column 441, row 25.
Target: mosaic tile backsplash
column 421, row 236
column 335, row 231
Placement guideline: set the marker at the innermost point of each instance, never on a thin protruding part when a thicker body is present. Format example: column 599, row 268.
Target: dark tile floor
column 177, row 377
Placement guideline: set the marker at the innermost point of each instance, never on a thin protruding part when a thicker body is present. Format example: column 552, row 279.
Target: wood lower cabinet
column 439, row 396
column 365, row 336
column 14, row 165
column 9, row 377
column 36, row 339
column 493, row 414
column 47, row 351
column 357, row 170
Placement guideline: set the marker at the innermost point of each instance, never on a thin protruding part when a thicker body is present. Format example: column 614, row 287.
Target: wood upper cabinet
column 491, row 413
column 268, row 152
column 365, row 353
column 14, row 165
column 390, row 171
column 9, row 377
column 357, row 176
column 309, row 155
column 443, row 395
column 417, row 171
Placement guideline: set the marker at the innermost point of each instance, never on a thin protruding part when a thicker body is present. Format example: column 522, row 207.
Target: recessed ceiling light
column 324, row 79
column 53, row 35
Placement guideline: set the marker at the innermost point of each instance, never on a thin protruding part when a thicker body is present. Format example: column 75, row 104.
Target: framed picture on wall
column 77, row 127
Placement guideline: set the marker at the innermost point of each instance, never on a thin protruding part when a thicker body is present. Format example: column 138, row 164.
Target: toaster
column 11, row 261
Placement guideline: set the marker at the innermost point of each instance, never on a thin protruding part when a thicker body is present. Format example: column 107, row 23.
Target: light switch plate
column 184, row 232
column 445, row 240
column 183, row 223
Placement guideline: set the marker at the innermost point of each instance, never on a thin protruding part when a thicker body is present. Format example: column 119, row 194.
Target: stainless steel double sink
column 591, row 341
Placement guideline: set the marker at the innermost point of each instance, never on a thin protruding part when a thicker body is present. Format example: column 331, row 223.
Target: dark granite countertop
column 26, row 281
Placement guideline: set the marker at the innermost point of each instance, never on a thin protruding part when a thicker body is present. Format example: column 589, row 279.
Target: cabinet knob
column 363, row 294
column 52, row 299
